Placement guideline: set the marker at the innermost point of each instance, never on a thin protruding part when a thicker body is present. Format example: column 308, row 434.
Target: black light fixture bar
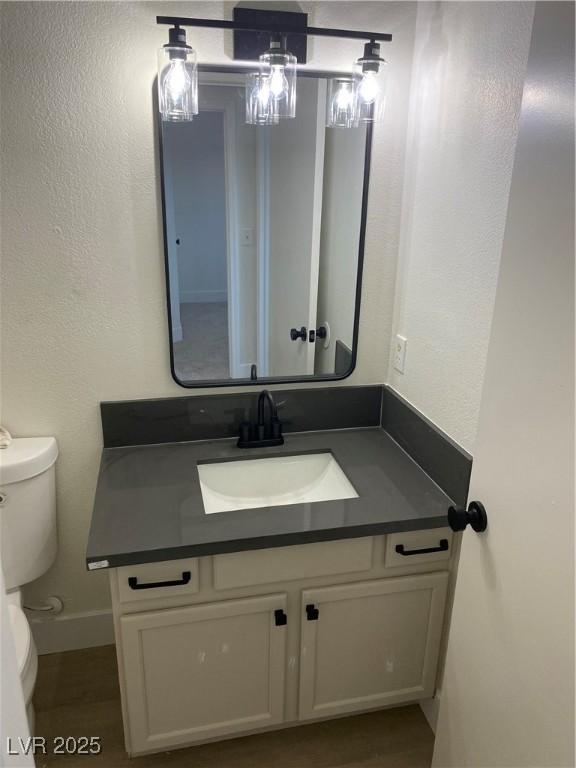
column 273, row 29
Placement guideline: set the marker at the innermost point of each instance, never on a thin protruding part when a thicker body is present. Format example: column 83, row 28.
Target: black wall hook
column 475, row 516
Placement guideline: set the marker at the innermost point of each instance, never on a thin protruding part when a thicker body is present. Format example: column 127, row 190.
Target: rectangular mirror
column 264, row 236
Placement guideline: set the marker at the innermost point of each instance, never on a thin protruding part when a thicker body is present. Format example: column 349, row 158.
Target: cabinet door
column 203, row 671
column 370, row 644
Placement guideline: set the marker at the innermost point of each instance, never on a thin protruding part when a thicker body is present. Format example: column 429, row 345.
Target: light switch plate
column 400, row 353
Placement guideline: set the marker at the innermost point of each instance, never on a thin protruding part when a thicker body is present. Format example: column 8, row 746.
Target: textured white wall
column 83, row 312
column 468, row 72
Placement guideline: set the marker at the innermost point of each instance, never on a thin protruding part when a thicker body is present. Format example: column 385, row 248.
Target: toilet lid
column 22, row 636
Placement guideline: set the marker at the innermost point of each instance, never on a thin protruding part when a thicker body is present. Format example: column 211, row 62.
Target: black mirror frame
column 208, row 383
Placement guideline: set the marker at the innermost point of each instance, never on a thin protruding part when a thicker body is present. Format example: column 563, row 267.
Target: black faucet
column 264, row 432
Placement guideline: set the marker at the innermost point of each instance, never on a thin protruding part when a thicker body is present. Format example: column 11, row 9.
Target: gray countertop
column 148, row 505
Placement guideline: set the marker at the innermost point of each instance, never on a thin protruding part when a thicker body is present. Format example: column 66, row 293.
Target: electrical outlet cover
column 400, row 353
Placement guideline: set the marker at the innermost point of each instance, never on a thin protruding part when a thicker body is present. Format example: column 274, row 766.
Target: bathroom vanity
column 237, row 616
column 252, row 640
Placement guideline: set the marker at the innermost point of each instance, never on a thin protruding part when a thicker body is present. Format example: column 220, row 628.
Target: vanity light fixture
column 271, row 86
column 177, row 78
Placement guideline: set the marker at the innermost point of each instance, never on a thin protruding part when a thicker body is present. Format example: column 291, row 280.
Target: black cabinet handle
column 133, row 582
column 296, row 334
column 280, row 618
column 475, row 516
column 442, row 547
column 312, row 612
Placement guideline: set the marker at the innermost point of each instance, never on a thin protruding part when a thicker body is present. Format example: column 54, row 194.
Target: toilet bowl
column 26, row 657
column 27, row 538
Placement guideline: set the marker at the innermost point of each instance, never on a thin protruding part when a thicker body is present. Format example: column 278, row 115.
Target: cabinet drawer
column 405, row 548
column 302, row 561
column 152, row 580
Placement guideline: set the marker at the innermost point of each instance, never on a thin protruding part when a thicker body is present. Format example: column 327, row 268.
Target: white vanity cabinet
column 219, row 655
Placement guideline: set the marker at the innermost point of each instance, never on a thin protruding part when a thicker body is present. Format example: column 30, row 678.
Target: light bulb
column 343, row 97
column 278, row 82
column 264, row 92
column 176, row 80
column 369, row 89
column 260, row 106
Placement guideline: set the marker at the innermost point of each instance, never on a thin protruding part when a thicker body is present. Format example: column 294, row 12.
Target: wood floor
column 77, row 695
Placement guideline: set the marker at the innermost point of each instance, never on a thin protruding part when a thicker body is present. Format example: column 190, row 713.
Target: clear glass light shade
column 177, row 83
column 261, row 107
column 341, row 104
column 280, row 68
column 370, row 91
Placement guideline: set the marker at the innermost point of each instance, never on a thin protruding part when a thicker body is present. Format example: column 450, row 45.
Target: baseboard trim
column 177, row 334
column 431, row 709
column 203, row 297
column 72, row 632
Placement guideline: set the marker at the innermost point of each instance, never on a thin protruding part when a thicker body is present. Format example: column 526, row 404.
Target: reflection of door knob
column 298, row 334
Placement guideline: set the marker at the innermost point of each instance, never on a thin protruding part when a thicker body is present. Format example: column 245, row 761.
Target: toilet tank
column 27, row 508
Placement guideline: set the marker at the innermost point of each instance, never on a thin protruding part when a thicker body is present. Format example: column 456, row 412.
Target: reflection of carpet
column 203, row 351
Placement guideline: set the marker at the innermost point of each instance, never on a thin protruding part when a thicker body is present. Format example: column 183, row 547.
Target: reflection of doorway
column 238, row 208
column 200, row 241
column 213, row 180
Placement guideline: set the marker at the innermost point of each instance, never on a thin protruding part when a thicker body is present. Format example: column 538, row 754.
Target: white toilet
column 27, row 537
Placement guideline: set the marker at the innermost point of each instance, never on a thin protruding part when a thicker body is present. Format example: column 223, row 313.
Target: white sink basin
column 272, row 482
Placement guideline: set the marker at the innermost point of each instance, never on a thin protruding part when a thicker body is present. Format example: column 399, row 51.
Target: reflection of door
column 508, row 692
column 296, row 163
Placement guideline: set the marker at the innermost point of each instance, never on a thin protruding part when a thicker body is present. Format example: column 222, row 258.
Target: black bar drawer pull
column 443, row 547
column 133, row 582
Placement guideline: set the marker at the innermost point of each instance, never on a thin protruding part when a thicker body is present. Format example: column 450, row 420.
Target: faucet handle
column 245, row 432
